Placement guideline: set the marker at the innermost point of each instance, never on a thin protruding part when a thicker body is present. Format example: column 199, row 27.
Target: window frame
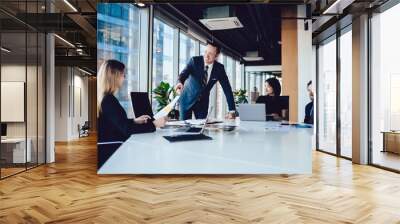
column 334, row 37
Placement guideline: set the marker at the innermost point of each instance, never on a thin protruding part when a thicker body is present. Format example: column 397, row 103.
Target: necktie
column 205, row 76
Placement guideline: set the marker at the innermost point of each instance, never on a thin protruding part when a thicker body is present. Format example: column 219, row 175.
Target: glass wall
column 327, row 96
column 202, row 48
column 239, row 76
column 334, row 60
column 230, row 70
column 118, row 37
column 255, row 83
column 186, row 49
column 346, row 93
column 163, row 50
column 163, row 55
column 385, row 89
column 220, row 99
column 22, row 106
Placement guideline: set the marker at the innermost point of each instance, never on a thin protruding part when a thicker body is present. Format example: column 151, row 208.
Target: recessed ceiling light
column 5, row 50
column 337, row 7
column 70, row 5
column 84, row 71
column 140, row 4
column 64, row 40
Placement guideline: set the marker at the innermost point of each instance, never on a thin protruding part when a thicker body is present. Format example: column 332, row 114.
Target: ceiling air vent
column 252, row 56
column 220, row 18
column 222, row 23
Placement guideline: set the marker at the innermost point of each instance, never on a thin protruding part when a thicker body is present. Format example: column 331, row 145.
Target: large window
column 230, row 69
column 238, row 75
column 385, row 88
column 220, row 99
column 346, row 94
column 334, row 106
column 327, row 96
column 118, row 37
column 186, row 50
column 202, row 48
column 163, row 54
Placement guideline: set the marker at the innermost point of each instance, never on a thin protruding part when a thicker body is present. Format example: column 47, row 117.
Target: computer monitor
column 3, row 129
column 141, row 104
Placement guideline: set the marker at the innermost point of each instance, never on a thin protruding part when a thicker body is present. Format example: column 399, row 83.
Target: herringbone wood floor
column 70, row 191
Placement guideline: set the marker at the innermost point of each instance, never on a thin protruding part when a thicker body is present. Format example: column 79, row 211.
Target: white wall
column 12, row 73
column 17, row 73
column 33, row 126
column 70, row 84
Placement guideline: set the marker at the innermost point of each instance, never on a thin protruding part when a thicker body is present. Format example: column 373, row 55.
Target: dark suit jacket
column 309, row 113
column 113, row 123
column 194, row 91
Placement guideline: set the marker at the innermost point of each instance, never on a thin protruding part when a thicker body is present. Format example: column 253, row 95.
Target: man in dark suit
column 309, row 111
column 196, row 81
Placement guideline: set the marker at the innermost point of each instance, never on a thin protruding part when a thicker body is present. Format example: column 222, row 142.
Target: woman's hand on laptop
column 160, row 122
column 142, row 119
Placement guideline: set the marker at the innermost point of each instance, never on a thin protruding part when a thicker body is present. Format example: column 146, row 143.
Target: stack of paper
column 165, row 111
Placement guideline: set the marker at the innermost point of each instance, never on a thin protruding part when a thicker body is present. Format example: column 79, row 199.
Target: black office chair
column 84, row 130
column 105, row 150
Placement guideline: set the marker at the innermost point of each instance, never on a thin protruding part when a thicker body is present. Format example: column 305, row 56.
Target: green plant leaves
column 163, row 94
column 240, row 96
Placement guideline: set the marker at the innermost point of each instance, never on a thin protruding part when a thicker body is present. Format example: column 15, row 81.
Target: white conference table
column 252, row 148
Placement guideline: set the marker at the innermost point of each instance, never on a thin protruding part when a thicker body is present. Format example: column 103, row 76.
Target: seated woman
column 274, row 109
column 113, row 123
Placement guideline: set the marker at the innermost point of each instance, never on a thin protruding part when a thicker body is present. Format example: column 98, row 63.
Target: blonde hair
column 107, row 80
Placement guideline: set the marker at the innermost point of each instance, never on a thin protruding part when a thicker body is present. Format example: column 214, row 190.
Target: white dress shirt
column 210, row 66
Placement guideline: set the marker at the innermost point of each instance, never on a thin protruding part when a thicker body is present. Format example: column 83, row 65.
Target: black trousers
column 200, row 110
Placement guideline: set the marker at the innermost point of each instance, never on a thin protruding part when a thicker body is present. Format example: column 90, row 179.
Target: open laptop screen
column 141, row 104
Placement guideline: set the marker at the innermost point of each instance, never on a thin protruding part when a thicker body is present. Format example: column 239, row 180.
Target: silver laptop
column 252, row 112
column 191, row 136
column 196, row 130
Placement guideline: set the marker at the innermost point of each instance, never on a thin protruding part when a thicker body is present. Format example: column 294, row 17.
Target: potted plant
column 240, row 96
column 164, row 93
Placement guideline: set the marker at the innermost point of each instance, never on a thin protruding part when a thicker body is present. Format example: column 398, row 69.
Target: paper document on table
column 175, row 123
column 165, row 111
column 195, row 121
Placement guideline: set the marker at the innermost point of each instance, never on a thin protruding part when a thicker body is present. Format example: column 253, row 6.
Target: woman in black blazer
column 274, row 108
column 113, row 123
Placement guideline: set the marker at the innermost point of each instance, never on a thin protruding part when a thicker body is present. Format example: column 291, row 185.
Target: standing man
column 309, row 111
column 196, row 81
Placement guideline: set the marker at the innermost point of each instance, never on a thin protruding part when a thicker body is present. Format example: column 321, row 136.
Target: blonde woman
column 113, row 123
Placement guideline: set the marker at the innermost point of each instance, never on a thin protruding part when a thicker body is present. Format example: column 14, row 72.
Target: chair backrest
column 86, row 125
column 284, row 101
column 105, row 150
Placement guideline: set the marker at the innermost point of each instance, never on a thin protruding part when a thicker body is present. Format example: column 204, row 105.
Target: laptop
column 251, row 112
column 191, row 135
column 141, row 104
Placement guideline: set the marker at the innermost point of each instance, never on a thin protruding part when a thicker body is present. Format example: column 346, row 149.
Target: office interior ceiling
column 261, row 29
